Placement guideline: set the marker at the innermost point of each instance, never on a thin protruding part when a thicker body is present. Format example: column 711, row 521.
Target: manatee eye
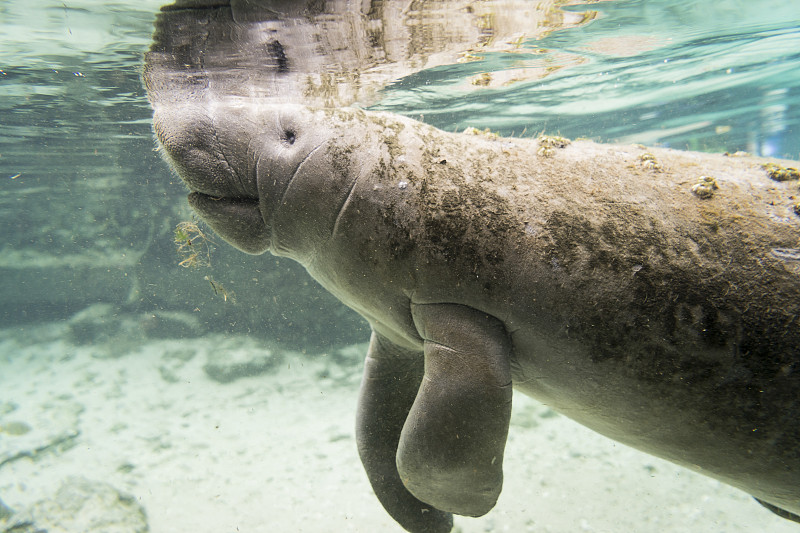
column 288, row 136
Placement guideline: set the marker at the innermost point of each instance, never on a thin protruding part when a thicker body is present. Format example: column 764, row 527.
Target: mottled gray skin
column 585, row 276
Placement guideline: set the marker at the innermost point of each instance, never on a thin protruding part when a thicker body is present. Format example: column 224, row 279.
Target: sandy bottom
column 276, row 452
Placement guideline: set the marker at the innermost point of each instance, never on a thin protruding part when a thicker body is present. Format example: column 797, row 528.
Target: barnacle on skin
column 650, row 162
column 781, row 173
column 489, row 134
column 705, row 187
column 549, row 143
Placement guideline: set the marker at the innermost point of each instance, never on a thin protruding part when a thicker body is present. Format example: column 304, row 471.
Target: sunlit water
column 710, row 76
column 81, row 183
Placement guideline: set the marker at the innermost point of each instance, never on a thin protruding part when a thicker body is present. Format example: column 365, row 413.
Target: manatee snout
column 206, row 149
column 212, row 155
column 238, row 159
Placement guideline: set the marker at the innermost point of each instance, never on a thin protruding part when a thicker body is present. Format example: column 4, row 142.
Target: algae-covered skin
column 612, row 293
column 781, row 173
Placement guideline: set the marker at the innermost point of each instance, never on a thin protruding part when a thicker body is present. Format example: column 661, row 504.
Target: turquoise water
column 710, row 76
column 92, row 297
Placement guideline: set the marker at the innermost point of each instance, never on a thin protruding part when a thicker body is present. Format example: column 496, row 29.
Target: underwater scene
column 153, row 377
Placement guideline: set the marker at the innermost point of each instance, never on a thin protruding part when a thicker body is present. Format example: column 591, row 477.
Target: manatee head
column 264, row 176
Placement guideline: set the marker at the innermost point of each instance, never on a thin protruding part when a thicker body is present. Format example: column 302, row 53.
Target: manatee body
column 652, row 295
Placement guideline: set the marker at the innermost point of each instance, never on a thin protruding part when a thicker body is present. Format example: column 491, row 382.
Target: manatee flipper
column 451, row 448
column 778, row 511
column 391, row 380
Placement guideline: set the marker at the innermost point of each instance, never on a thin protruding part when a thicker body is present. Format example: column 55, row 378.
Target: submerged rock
column 173, row 363
column 240, row 358
column 96, row 323
column 5, row 512
column 79, row 506
column 169, row 324
column 30, row 431
column 101, row 324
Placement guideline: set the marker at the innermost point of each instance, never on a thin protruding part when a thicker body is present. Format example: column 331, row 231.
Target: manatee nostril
column 289, row 136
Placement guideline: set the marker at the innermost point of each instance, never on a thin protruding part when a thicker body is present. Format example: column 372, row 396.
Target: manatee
column 652, row 295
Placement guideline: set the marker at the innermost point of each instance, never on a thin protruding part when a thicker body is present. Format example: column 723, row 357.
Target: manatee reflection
column 337, row 53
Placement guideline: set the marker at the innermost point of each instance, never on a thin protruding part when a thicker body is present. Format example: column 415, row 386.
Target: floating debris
column 193, row 245
column 781, row 173
column 705, row 187
column 219, row 290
